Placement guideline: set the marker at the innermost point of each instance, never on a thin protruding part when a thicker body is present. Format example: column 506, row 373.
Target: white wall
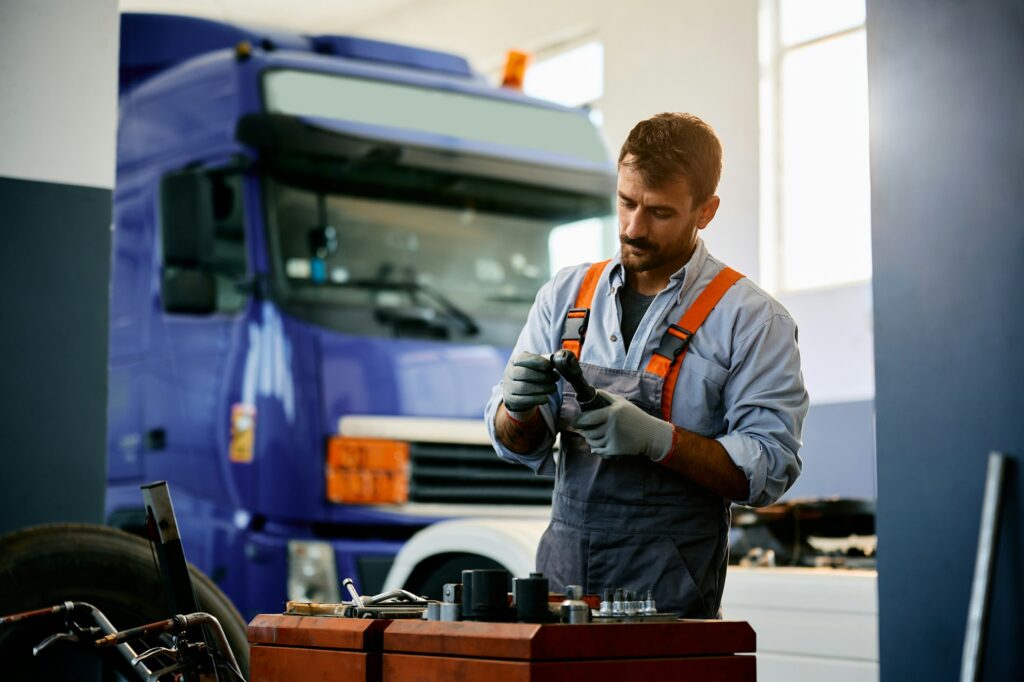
column 664, row 55
column 660, row 55
column 58, row 79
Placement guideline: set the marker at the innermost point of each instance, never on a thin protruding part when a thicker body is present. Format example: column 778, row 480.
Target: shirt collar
column 682, row 279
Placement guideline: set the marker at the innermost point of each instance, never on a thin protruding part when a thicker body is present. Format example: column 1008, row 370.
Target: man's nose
column 634, row 225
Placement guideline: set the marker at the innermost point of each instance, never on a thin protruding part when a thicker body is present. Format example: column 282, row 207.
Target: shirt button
column 614, row 338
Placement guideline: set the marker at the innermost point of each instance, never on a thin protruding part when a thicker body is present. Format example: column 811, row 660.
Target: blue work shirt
column 740, row 381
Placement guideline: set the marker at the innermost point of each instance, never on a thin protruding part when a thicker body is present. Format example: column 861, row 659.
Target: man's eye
column 626, row 203
column 662, row 216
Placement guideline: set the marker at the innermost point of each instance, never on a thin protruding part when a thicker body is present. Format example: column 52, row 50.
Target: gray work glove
column 529, row 380
column 622, row 428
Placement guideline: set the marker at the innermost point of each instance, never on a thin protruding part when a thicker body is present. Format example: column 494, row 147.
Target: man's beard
column 647, row 259
column 651, row 257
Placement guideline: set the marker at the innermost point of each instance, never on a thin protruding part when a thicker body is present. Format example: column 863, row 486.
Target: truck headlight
column 312, row 575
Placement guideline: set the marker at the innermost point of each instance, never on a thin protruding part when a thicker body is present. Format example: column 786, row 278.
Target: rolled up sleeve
column 765, row 405
column 535, row 337
column 540, row 460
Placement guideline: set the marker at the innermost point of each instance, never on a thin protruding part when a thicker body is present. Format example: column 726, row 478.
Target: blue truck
column 324, row 248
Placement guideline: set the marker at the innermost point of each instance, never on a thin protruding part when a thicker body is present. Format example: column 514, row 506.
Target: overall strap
column 578, row 318
column 668, row 359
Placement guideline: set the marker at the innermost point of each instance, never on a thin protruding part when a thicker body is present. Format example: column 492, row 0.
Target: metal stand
column 984, row 568
column 162, row 528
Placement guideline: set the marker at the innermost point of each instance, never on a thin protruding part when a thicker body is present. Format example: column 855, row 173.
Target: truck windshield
column 392, row 268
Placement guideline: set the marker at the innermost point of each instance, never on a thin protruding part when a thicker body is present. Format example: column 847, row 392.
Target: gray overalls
column 627, row 521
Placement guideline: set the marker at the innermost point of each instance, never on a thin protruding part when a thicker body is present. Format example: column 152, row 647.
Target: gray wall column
column 947, row 172
column 57, row 132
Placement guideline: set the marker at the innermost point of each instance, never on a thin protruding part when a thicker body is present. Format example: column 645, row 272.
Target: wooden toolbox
column 287, row 648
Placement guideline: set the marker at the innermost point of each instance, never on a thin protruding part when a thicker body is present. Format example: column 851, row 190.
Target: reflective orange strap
column 668, row 359
column 575, row 328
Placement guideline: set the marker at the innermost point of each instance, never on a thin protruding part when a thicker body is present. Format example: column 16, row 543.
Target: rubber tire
column 110, row 569
column 430, row 576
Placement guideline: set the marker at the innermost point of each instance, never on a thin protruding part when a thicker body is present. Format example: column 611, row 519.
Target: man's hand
column 529, row 380
column 622, row 428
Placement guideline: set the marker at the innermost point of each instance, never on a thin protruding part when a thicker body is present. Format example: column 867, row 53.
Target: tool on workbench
column 606, row 603
column 390, row 605
column 574, row 609
column 568, row 366
column 531, row 599
column 650, row 607
column 485, row 595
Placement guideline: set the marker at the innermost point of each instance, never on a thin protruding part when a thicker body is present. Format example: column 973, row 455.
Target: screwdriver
column 568, row 366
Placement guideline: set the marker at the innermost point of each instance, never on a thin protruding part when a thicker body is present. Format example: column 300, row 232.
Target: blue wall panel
column 947, row 112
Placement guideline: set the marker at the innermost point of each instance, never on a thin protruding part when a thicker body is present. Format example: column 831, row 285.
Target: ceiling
column 307, row 16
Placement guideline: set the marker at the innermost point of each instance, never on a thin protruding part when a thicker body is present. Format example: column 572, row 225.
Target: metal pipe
column 393, row 594
column 348, row 585
column 107, row 628
column 218, row 634
column 176, row 624
column 984, row 569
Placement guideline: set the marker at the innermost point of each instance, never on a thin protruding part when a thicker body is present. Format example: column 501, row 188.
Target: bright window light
column 803, row 20
column 826, row 197
column 573, row 78
column 816, row 171
column 575, row 243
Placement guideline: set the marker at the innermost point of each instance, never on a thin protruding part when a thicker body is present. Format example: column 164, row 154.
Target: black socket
column 531, row 595
column 467, row 595
column 488, row 594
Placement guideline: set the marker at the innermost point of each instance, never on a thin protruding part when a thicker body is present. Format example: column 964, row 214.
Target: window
column 400, row 267
column 816, row 220
column 574, row 78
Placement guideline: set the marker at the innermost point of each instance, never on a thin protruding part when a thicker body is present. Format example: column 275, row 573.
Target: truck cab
column 324, row 249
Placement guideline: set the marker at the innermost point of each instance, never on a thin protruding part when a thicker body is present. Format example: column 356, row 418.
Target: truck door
column 197, row 318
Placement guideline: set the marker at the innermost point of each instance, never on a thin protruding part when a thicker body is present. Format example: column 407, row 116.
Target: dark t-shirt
column 633, row 305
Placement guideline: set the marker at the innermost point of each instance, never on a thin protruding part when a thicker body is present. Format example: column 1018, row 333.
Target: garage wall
column 660, row 55
column 58, row 73
column 698, row 56
column 947, row 102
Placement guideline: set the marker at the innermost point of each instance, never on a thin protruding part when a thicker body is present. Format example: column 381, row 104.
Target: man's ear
column 707, row 211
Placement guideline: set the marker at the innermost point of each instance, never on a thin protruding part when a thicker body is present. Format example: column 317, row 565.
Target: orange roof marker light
column 516, row 62
column 367, row 471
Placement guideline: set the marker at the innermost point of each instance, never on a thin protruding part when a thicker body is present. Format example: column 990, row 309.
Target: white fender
column 510, row 542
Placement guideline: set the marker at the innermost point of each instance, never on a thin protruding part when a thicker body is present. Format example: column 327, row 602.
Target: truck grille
column 471, row 474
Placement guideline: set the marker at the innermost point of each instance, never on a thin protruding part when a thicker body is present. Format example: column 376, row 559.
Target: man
column 701, row 371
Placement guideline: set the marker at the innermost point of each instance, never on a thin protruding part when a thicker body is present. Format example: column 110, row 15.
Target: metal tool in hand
column 568, row 366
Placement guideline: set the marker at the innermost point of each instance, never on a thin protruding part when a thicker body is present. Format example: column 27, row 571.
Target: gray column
column 947, row 176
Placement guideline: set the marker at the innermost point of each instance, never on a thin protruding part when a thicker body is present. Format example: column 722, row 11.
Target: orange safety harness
column 668, row 358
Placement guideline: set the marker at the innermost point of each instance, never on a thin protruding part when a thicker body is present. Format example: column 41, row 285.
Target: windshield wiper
column 441, row 302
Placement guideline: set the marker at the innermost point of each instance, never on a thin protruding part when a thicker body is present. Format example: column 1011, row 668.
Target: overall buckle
column 674, row 341
column 576, row 321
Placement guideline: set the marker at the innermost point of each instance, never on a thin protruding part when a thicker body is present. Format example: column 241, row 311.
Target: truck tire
column 112, row 570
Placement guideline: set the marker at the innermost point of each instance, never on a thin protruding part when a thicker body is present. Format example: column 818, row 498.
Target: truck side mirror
column 188, row 223
column 186, row 218
column 188, row 290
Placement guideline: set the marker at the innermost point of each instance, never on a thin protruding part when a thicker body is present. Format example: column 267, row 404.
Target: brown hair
column 670, row 145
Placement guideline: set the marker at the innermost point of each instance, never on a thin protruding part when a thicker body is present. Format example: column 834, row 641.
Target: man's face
column 658, row 225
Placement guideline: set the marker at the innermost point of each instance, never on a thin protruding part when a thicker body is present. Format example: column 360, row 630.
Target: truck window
column 488, row 265
column 228, row 260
